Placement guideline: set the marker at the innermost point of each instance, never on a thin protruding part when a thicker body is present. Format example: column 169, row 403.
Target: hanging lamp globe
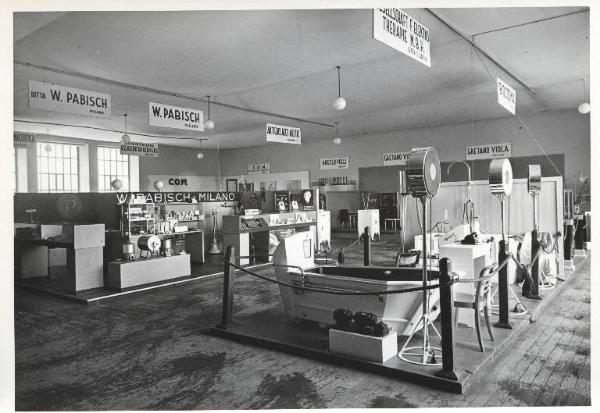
column 200, row 155
column 125, row 139
column 584, row 108
column 116, row 184
column 209, row 124
column 339, row 103
column 337, row 141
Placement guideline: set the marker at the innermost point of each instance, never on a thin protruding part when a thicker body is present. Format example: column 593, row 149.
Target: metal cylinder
column 423, row 172
column 127, row 251
column 500, row 177
column 149, row 243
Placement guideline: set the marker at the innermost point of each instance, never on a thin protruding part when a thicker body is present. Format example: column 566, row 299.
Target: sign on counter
column 492, row 151
column 175, row 117
column 140, row 149
column 334, row 163
column 259, row 168
column 507, row 96
column 398, row 30
column 56, row 98
column 23, row 139
column 283, row 134
column 395, row 158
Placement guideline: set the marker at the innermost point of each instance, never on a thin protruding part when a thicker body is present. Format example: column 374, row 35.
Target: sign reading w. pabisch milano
column 167, row 197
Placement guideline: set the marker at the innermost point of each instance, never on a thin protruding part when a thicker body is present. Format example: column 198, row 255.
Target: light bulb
column 339, row 103
column 125, row 139
column 584, row 108
column 337, row 141
column 48, row 148
column 209, row 124
column 117, row 184
column 158, row 184
column 200, row 155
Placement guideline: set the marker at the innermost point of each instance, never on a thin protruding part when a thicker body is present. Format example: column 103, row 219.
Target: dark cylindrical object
column 367, row 246
column 580, row 233
column 447, row 321
column 568, row 242
column 535, row 267
column 227, row 310
column 503, row 321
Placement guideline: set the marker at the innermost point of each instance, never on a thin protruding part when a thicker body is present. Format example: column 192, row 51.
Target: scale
column 423, row 174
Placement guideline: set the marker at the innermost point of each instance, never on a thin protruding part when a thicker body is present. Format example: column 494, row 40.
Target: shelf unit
column 137, row 219
column 184, row 212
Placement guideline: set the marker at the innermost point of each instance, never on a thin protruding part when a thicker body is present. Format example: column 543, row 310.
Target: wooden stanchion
column 503, row 321
column 367, row 246
column 447, row 321
column 227, row 310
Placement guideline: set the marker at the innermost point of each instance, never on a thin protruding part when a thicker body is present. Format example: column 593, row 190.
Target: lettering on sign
column 56, row 98
column 168, row 197
column 259, row 168
column 178, row 181
column 395, row 158
column 400, row 31
column 492, row 151
column 334, row 163
column 139, row 148
column 283, row 134
column 175, row 117
column 23, row 139
column 507, row 96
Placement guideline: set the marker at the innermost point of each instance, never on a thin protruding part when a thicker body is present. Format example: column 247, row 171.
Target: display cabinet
column 186, row 214
column 137, row 219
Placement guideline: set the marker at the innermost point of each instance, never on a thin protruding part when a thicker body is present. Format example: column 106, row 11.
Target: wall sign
column 403, row 33
column 507, row 96
column 283, row 134
column 395, row 158
column 23, row 139
column 167, row 197
column 334, row 163
column 140, row 149
column 175, row 117
column 259, row 168
column 492, row 151
column 56, row 98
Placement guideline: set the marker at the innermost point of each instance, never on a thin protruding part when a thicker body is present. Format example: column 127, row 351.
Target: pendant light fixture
column 48, row 148
column 209, row 124
column 339, row 103
column 200, row 154
column 585, row 106
column 125, row 138
column 337, row 140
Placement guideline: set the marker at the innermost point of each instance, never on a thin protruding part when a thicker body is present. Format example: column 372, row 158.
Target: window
column 58, row 167
column 112, row 165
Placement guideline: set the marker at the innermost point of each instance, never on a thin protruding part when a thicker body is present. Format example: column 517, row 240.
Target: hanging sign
column 168, row 197
column 139, row 148
column 395, row 158
column 507, row 96
column 283, row 134
column 55, row 98
column 403, row 33
column 492, row 151
column 334, row 163
column 175, row 117
column 23, row 139
column 259, row 168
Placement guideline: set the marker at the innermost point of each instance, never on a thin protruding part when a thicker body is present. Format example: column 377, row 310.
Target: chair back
column 484, row 288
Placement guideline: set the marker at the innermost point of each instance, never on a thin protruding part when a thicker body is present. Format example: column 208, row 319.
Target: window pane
column 74, row 166
column 52, row 165
column 52, row 183
column 119, row 168
column 74, row 182
column 59, row 166
column 44, row 182
column 67, row 183
column 59, row 182
column 100, row 153
column 43, row 165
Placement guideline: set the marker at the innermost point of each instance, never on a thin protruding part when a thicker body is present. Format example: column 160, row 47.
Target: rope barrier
column 334, row 291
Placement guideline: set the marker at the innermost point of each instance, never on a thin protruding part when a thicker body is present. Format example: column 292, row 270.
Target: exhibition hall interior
column 301, row 208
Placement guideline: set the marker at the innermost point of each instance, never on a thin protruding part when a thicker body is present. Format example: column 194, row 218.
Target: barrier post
column 535, row 267
column 447, row 321
column 568, row 241
column 503, row 321
column 227, row 310
column 367, row 246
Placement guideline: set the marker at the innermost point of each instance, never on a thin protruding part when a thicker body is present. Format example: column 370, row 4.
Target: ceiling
column 283, row 62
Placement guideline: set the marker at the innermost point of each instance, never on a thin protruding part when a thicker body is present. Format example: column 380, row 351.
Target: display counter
column 126, row 274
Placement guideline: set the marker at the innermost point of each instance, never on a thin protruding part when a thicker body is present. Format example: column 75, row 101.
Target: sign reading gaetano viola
column 507, row 96
column 55, row 98
column 23, row 139
column 492, row 151
column 403, row 33
column 395, row 158
column 140, row 149
column 283, row 134
column 175, row 117
column 334, row 163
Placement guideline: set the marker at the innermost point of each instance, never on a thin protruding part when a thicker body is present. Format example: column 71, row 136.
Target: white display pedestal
column 470, row 259
column 377, row 349
column 368, row 218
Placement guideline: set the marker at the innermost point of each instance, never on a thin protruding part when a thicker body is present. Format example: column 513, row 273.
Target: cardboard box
column 377, row 349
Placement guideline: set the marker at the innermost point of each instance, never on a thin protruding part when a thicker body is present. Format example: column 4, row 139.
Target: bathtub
column 400, row 312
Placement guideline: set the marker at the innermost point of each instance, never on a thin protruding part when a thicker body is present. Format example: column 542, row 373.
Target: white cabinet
column 323, row 227
column 368, row 218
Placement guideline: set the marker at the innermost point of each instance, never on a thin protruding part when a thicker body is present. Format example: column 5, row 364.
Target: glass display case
column 137, row 219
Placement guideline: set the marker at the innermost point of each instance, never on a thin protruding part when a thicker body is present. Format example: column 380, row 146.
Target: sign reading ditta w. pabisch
column 507, row 96
column 334, row 163
column 492, row 151
column 56, row 98
column 400, row 31
column 140, row 149
column 395, row 158
column 175, row 117
column 283, row 134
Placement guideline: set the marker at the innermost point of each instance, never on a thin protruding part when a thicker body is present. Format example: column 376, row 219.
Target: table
column 395, row 221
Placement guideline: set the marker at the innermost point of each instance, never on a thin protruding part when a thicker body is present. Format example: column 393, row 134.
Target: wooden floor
column 151, row 351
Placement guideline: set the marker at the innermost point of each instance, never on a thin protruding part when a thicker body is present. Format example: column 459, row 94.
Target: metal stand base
column 214, row 249
column 425, row 353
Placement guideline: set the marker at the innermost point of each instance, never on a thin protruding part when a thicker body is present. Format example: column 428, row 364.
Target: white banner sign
column 403, row 33
column 334, row 163
column 259, row 168
column 55, row 98
column 283, row 134
column 507, row 96
column 140, row 149
column 395, row 158
column 175, row 117
column 494, row 150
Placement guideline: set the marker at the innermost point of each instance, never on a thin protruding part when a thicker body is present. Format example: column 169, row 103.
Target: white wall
column 564, row 131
